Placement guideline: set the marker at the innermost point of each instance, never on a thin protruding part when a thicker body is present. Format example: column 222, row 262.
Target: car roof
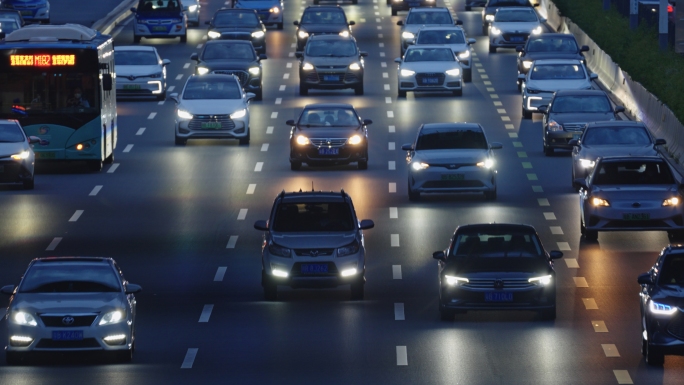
column 211, row 76
column 331, row 36
column 328, row 105
column 616, row 123
column 323, row 7
column 429, row 9
column 557, row 61
column 313, row 196
column 134, row 48
column 44, row 260
column 567, row 92
column 451, row 126
column 498, row 226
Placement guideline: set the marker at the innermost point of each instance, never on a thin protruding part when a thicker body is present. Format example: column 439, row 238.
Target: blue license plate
column 517, row 38
column 430, row 80
column 328, row 151
column 498, row 296
column 331, row 78
column 314, row 268
column 67, row 335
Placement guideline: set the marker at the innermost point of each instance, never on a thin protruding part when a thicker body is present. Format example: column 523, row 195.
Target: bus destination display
column 42, row 60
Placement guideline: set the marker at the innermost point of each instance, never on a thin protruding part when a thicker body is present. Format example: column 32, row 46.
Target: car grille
column 453, row 166
column 421, row 78
column 235, row 36
column 633, row 224
column 330, row 67
column 314, row 252
column 243, row 76
column 312, row 76
column 487, row 283
column 225, row 120
column 574, row 126
column 350, row 77
column 452, row 184
column 57, row 320
column 676, row 325
column 297, row 271
column 47, row 343
column 332, row 142
column 511, row 37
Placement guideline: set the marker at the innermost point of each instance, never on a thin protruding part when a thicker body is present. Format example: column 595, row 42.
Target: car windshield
column 557, row 71
column 212, row 89
column 323, row 17
column 552, row 44
column 451, row 140
column 329, row 117
column 328, row 48
column 246, row 19
column 616, row 135
column 516, row 16
column 429, row 54
column 509, row 243
column 313, row 217
column 454, row 36
column 429, row 18
column 633, row 173
column 573, row 104
column 10, row 133
column 8, row 26
column 70, row 278
column 228, row 51
column 672, row 270
column 159, row 7
column 135, row 58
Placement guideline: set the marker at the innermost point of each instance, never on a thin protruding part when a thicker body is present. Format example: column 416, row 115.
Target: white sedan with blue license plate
column 140, row 71
column 431, row 68
column 455, row 38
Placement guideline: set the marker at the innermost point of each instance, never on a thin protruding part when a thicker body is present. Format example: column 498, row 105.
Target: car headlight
column 355, row 66
column 537, row 30
column 202, row 70
column 674, row 201
column 344, row 33
column 279, row 250
column 454, row 72
column 487, row 163
column 464, row 54
column 349, row 249
column 24, row 318
column 543, row 280
column 419, row 166
column 554, row 126
column 307, row 66
column 254, row 70
column 356, row 139
column 495, row 31
column 239, row 114
column 214, row 34
column 527, row 64
column 302, row 140
column 258, row 34
column 274, row 10
column 112, row 317
column 184, row 114
column 21, row 156
column 303, row 34
column 192, row 8
column 661, row 308
column 489, row 17
column 407, row 35
column 600, row 202
column 586, row 163
column 455, row 281
column 407, row 72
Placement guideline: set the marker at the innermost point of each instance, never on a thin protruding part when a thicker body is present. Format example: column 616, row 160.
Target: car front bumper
column 443, row 180
column 230, row 129
column 507, row 40
column 621, row 217
column 331, row 79
column 143, row 87
column 561, row 139
column 418, row 82
column 312, row 155
column 12, row 171
column 298, row 278
column 460, row 298
column 270, row 18
column 170, row 30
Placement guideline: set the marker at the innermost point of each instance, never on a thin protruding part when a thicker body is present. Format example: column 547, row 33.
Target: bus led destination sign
column 42, row 60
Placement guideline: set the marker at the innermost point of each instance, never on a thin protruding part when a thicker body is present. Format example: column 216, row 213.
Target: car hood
column 669, row 294
column 328, row 132
column 137, row 70
column 414, row 28
column 636, row 192
column 319, row 61
column 450, row 156
column 497, row 267
column 554, row 85
column 323, row 28
column 68, row 302
column 514, row 27
column 211, row 107
column 245, row 29
column 257, row 4
column 313, row 240
column 228, row 64
column 8, row 149
column 430, row 66
column 581, row 117
column 552, row 55
column 593, row 152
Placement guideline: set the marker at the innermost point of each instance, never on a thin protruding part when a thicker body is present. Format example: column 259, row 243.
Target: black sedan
column 322, row 20
column 496, row 267
column 232, row 57
column 548, row 46
column 569, row 112
column 662, row 304
column 329, row 134
column 238, row 24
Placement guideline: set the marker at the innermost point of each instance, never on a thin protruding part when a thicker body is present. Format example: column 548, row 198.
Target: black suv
column 320, row 20
column 238, row 24
column 493, row 5
column 662, row 306
column 548, row 46
column 313, row 239
column 232, row 57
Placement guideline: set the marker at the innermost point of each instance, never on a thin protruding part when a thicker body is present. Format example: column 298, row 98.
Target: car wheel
column 490, row 195
column 414, row 196
column 161, row 96
column 123, row 356
column 358, row 90
column 548, row 151
column 109, row 159
column 468, row 75
column 184, row 38
column 654, row 357
column 589, row 235
column 95, row 165
column 270, row 289
column 29, row 183
column 303, row 90
column 485, row 29
column 245, row 140
column 394, row 12
column 181, row 141
column 280, row 26
column 363, row 165
column 492, row 49
column 526, row 114
column 357, row 290
column 548, row 314
column 15, row 358
column 259, row 95
column 136, row 39
column 294, row 166
column 401, row 93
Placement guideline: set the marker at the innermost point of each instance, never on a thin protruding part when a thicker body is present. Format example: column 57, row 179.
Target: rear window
column 313, row 217
column 616, row 135
column 633, row 173
column 70, row 278
column 448, row 140
column 10, row 133
column 672, row 271
column 496, row 244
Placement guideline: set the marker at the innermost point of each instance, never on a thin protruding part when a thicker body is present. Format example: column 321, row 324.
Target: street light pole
column 633, row 14
column 662, row 25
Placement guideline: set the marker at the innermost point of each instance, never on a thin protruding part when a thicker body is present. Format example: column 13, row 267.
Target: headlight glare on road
column 202, row 70
column 407, row 72
column 674, row 201
column 184, row 114
column 586, row 163
column 454, row 72
column 112, row 317
column 600, row 202
column 303, row 34
column 24, row 318
column 527, row 64
column 454, row 281
column 464, row 54
column 406, row 35
column 214, row 34
column 239, row 114
column 302, row 140
column 554, row 126
column 419, row 166
column 661, row 308
column 254, row 70
column 487, row 163
column 537, row 30
column 495, row 31
column 21, row 156
column 258, row 34
column 355, row 139
column 543, row 280
column 307, row 66
column 354, row 66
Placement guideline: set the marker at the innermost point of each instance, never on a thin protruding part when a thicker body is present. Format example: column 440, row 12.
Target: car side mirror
column 660, row 142
column 367, row 122
column 352, row 22
column 166, row 62
column 407, row 147
column 194, row 56
column 397, row 60
column 593, row 76
column 585, row 48
column 261, row 225
column 290, row 122
column 574, row 142
column 134, row 9
column 107, row 82
column 555, row 254
column 174, row 97
column 541, row 19
column 363, row 54
column 495, row 146
column 9, row 289
column 250, row 95
column 400, row 22
column 619, row 109
column 521, row 77
column 582, row 182
column 543, row 109
column 299, row 54
column 439, row 255
column 519, row 48
column 295, row 22
column 366, row 224
column 643, row 279
column 263, row 56
column 33, row 139
column 133, row 289
column 471, row 41
column 459, row 22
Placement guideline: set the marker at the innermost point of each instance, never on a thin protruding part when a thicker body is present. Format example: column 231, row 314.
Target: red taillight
column 670, row 8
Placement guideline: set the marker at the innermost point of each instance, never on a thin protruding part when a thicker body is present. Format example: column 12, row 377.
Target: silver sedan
column 512, row 26
column 429, row 68
column 455, row 38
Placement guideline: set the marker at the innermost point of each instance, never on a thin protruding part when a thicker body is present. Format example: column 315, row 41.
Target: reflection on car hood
column 641, row 193
column 320, row 61
column 593, row 152
column 531, row 266
column 7, row 149
column 430, row 66
column 323, row 28
column 217, row 64
column 264, row 4
column 451, row 156
column 123, row 71
column 414, row 28
column 516, row 27
column 313, row 240
column 554, row 85
column 211, row 107
column 673, row 293
column 581, row 117
column 552, row 55
column 68, row 302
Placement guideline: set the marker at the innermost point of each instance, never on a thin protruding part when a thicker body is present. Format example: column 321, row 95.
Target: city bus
column 58, row 82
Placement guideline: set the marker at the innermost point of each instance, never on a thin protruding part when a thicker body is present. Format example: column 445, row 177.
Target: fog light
column 20, row 340
column 348, row 272
column 79, row 147
column 280, row 273
column 115, row 339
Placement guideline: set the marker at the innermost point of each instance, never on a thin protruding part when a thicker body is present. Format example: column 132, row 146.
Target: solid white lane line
column 388, row 100
column 580, row 282
column 242, row 215
column 96, row 190
column 269, row 129
column 232, row 241
column 140, row 131
column 392, row 165
column 610, row 350
column 186, row 66
column 571, row 263
column 274, row 115
column 394, row 213
column 179, row 76
column 54, row 243
column 396, row 271
column 599, row 326
column 391, row 146
column 550, row 216
column 402, row 359
column 220, row 272
column 394, row 240
column 590, row 304
column 251, row 188
column 264, row 147
column 390, row 114
column 76, row 215
column 399, row 312
column 189, row 358
column 258, row 166
column 622, row 377
column 278, row 100
column 171, row 88
column 128, row 148
column 391, row 129
column 563, row 246
column 392, row 187
column 556, row 230
column 282, row 88
column 387, row 87
column 113, row 168
column 151, row 115
column 286, row 76
column 543, row 202
column 206, row 313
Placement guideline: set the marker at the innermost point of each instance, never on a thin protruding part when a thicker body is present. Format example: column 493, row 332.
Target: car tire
column 136, row 39
column 161, row 96
column 414, row 196
column 184, row 38
column 401, row 93
column 548, row 151
column 270, row 288
column 654, row 356
column 363, row 165
column 29, row 184
column 123, row 356
column 446, row 315
column 259, row 95
column 490, row 195
column 245, row 140
column 279, row 26
column 589, row 235
column 14, row 358
column 357, row 290
column 358, row 90
column 95, row 165
column 457, row 92
column 548, row 314
column 492, row 49
column 394, row 12
column 526, row 114
column 303, row 90
column 109, row 159
column 294, row 166
column 181, row 141
column 468, row 75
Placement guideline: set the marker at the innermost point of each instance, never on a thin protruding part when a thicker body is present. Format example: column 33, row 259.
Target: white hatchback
column 140, row 71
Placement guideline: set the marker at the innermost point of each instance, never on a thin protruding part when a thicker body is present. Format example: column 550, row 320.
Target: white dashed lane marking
column 599, row 326
column 622, row 377
column 385, row 75
column 278, row 100
column 391, row 146
column 186, row 66
column 264, row 147
column 96, row 190
column 393, row 213
column 269, row 129
column 402, row 358
column 113, row 168
column 394, row 240
column 392, row 165
column 543, row 202
column 610, row 350
column 258, row 166
column 391, row 129
column 556, row 230
column 388, row 100
column 532, row 177
column 580, row 282
column 563, row 246
column 220, row 272
column 171, row 88
column 399, row 312
column 189, row 358
column 242, row 215
column 128, row 148
column 282, row 88
column 274, row 115
column 390, row 114
column 387, row 87
column 232, row 241
column 140, row 131
column 286, row 76
column 383, row 65
column 206, row 313
column 288, row 65
column 179, row 76
column 54, row 243
column 590, row 304
column 396, row 271
column 151, row 115
column 251, row 188
column 392, row 187
column 571, row 263
column 537, row 189
column 76, row 215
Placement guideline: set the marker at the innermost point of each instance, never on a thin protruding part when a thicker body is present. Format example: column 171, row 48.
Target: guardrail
column 116, row 16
